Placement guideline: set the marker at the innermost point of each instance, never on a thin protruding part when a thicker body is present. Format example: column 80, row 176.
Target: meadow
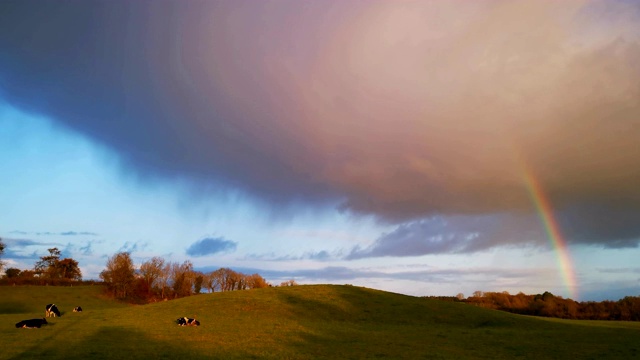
column 297, row 322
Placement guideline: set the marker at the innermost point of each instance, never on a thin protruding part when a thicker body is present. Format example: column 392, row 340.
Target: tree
column 46, row 266
column 197, row 285
column 68, row 269
column 229, row 279
column 165, row 276
column 216, row 279
column 183, row 278
column 208, row 282
column 119, row 274
column 2, row 246
column 151, row 271
column 289, row 283
column 256, row 281
column 12, row 273
column 51, row 267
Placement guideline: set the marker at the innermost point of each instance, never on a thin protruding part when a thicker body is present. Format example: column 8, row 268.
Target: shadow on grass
column 14, row 307
column 112, row 343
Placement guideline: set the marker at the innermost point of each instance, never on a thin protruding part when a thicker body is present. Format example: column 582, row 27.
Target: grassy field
column 299, row 322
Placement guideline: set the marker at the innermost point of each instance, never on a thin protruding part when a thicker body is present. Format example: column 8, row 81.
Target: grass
column 299, row 322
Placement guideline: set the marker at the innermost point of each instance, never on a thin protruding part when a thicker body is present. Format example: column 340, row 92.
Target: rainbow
column 545, row 212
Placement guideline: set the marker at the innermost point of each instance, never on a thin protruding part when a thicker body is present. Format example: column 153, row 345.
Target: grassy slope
column 300, row 322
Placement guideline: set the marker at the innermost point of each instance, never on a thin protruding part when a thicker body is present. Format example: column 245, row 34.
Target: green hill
column 299, row 322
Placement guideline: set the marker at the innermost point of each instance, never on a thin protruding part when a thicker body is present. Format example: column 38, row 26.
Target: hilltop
column 298, row 322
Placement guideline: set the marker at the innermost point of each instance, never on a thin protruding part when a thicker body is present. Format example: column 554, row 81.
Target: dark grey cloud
column 19, row 249
column 456, row 234
column 17, row 255
column 605, row 228
column 209, row 246
column 417, row 116
column 605, row 225
column 22, row 243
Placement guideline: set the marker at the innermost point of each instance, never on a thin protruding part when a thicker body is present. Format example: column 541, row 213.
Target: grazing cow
column 77, row 309
column 185, row 321
column 31, row 323
column 52, row 311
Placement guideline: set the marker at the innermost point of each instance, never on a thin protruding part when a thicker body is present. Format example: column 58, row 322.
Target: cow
column 31, row 323
column 185, row 321
column 77, row 309
column 51, row 310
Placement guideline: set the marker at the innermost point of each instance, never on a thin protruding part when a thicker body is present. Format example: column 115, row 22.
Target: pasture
column 299, row 322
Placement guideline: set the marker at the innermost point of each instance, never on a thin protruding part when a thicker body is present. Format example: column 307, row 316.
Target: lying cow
column 77, row 309
column 52, row 311
column 31, row 323
column 185, row 321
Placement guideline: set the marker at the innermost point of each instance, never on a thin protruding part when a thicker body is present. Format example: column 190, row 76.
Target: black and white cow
column 185, row 321
column 31, row 323
column 52, row 311
column 77, row 309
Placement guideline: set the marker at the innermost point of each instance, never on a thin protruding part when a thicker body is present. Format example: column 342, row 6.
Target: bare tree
column 164, row 278
column 198, row 282
column 207, row 282
column 217, row 280
column 256, row 281
column 229, row 279
column 2, row 247
column 119, row 274
column 182, row 278
column 289, row 283
column 151, row 271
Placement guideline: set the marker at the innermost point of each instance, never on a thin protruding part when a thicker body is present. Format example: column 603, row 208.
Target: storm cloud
column 412, row 113
column 604, row 227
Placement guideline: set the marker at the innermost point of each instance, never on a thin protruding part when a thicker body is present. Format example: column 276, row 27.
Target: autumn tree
column 164, row 278
column 183, row 278
column 216, row 280
column 68, row 269
column 207, row 282
column 46, row 266
column 119, row 274
column 151, row 271
column 199, row 280
column 51, row 267
column 256, row 281
column 12, row 273
column 289, row 283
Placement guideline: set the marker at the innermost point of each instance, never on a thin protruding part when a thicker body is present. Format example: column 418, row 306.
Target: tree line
column 155, row 279
column 49, row 270
column 549, row 305
column 158, row 279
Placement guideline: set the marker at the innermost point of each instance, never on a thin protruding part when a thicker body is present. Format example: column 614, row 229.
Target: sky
column 419, row 147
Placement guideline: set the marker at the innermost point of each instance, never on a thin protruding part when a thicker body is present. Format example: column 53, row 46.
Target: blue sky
column 380, row 144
